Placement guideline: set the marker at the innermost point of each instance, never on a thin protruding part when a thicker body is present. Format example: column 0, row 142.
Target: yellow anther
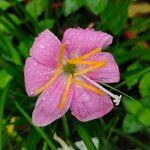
column 50, row 82
column 93, row 52
column 61, row 53
column 65, row 94
column 91, row 68
column 84, row 62
column 89, row 87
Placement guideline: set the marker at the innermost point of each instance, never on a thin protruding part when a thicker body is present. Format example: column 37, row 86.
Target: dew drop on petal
column 35, row 64
column 67, row 42
column 47, row 78
column 31, row 92
column 42, row 46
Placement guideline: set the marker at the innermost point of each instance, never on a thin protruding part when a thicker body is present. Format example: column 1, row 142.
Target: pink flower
column 66, row 74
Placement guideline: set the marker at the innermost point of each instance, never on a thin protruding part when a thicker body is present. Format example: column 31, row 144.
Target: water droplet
column 42, row 46
column 67, row 42
column 47, row 78
column 58, row 116
column 35, row 64
column 31, row 92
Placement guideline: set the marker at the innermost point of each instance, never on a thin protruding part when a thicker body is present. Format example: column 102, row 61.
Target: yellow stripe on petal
column 91, row 68
column 56, row 73
column 89, row 87
column 61, row 53
column 93, row 52
column 65, row 94
column 50, row 82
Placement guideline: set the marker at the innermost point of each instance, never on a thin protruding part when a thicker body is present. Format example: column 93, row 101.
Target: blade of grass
column 43, row 135
column 28, row 16
column 65, row 125
column 14, row 54
column 83, row 133
column 2, row 106
column 19, row 31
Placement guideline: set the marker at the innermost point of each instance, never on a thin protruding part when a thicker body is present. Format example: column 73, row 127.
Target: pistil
column 117, row 98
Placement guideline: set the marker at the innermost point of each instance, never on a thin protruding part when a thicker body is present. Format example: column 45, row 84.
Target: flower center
column 70, row 68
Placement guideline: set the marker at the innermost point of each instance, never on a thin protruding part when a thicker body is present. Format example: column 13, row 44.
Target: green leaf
column 144, row 117
column 71, row 6
column 135, row 52
column 47, row 23
column 144, row 85
column 140, row 24
column 84, row 135
column 96, row 6
column 15, row 57
column 36, row 7
column 132, row 106
column 5, row 78
column 4, row 4
column 134, row 73
column 146, row 101
column 133, row 79
column 115, row 15
column 130, row 124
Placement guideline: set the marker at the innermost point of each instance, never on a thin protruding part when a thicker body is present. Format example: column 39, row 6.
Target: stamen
column 90, row 87
column 93, row 52
column 88, row 69
column 85, row 62
column 65, row 94
column 50, row 82
column 61, row 53
column 117, row 98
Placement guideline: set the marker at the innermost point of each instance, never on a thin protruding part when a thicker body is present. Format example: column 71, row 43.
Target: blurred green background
column 127, row 126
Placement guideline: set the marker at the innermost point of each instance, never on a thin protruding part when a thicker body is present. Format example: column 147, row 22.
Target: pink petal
column 107, row 74
column 36, row 75
column 47, row 106
column 87, row 105
column 81, row 41
column 45, row 48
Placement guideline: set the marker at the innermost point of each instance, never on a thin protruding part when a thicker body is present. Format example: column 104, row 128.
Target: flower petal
column 45, row 48
column 47, row 107
column 81, row 41
column 87, row 105
column 107, row 74
column 36, row 75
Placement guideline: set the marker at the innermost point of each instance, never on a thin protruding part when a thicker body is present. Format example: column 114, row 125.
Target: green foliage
column 137, row 115
column 4, row 4
column 36, row 7
column 96, row 6
column 5, row 78
column 71, row 6
column 21, row 21
column 115, row 15
column 130, row 124
column 144, row 85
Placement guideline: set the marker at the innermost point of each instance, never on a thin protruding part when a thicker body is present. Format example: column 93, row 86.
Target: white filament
column 116, row 98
